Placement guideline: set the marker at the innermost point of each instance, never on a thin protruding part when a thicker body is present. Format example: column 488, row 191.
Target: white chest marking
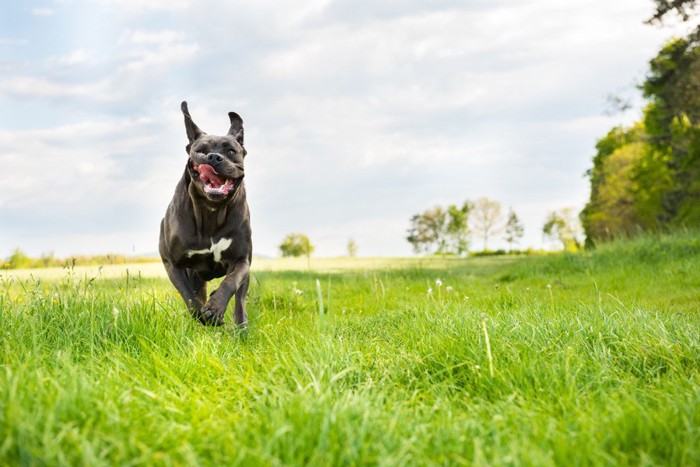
column 215, row 249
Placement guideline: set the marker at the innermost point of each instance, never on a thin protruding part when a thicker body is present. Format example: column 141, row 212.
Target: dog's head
column 216, row 162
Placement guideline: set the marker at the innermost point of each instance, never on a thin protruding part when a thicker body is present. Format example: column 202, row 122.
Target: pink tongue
column 210, row 176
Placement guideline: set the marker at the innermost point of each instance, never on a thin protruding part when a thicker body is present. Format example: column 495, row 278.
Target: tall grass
column 571, row 359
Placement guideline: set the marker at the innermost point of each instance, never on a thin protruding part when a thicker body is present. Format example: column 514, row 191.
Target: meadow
column 590, row 358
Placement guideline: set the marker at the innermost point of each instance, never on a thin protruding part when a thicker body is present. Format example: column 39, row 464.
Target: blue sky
column 358, row 114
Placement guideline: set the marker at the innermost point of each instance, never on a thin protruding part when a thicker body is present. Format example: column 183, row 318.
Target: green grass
column 595, row 360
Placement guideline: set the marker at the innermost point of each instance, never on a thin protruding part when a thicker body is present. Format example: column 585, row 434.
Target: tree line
column 452, row 229
column 646, row 177
column 20, row 260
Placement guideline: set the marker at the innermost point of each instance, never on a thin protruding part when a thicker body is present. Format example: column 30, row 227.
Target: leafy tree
column 682, row 8
column 427, row 231
column 440, row 230
column 647, row 177
column 296, row 244
column 612, row 209
column 352, row 248
column 19, row 260
column 486, row 216
column 457, row 230
column 563, row 225
column 514, row 229
column 672, row 121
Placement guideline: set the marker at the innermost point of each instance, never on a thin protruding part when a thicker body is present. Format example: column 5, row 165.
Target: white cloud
column 43, row 88
column 159, row 58
column 69, row 160
column 71, row 59
column 123, row 79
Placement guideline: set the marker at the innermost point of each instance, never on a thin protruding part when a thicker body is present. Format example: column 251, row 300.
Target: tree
column 352, row 248
column 427, row 231
column 672, row 121
column 514, row 230
column 296, row 244
column 647, row 177
column 682, row 8
column 563, row 225
column 486, row 216
column 457, row 230
column 618, row 196
column 19, row 260
column 440, row 230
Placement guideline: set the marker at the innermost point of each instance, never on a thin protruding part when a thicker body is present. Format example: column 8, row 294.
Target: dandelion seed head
column 438, row 282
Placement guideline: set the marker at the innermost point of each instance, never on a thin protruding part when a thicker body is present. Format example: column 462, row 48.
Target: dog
column 206, row 231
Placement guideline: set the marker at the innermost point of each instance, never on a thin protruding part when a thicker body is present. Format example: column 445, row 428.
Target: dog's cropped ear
column 193, row 131
column 236, row 129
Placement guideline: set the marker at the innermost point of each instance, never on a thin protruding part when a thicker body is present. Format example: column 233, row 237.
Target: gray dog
column 206, row 230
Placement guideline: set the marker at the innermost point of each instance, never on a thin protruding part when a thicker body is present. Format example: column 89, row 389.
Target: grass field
column 586, row 359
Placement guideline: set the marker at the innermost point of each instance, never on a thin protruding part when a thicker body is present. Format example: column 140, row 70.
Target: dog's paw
column 209, row 316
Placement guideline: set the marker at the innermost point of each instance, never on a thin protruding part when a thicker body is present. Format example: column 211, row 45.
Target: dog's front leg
column 179, row 278
column 214, row 309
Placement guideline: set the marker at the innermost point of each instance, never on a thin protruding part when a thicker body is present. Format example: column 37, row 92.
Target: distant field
column 325, row 265
column 585, row 359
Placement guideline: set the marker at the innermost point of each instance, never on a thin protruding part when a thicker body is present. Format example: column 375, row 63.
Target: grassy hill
column 590, row 358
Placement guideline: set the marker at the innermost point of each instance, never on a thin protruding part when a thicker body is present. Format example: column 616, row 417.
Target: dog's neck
column 209, row 217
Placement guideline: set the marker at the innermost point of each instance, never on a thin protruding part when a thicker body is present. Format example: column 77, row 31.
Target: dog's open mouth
column 214, row 183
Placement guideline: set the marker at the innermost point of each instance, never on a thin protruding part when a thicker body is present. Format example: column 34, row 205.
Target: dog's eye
column 231, row 152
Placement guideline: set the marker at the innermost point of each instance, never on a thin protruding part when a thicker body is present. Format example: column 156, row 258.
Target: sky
column 358, row 114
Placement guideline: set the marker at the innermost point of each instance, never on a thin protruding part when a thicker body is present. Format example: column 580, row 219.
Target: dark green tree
column 672, row 122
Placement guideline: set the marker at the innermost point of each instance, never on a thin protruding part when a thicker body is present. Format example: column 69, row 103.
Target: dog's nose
column 214, row 157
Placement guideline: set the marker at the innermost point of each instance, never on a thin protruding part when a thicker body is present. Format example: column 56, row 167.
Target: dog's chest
column 209, row 262
column 215, row 250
